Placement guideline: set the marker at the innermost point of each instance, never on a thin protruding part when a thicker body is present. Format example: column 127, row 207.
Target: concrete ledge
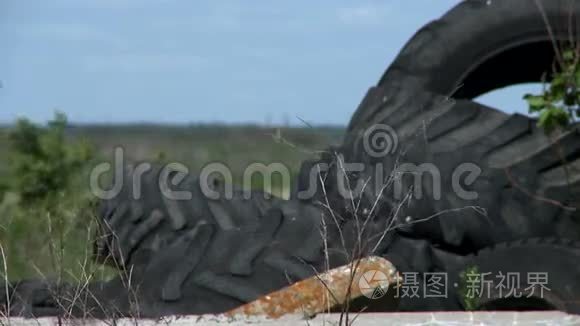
column 439, row 318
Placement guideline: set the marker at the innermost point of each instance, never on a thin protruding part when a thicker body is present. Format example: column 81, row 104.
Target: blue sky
column 179, row 61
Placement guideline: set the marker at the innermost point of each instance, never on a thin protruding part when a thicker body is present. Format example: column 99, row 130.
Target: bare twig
column 6, row 284
column 534, row 196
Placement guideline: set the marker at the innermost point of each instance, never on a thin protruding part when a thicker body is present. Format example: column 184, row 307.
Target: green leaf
column 569, row 55
column 558, row 88
column 553, row 117
column 561, row 117
column 544, row 119
column 535, row 102
column 558, row 80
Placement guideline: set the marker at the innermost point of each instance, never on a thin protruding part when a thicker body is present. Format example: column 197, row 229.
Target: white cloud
column 364, row 14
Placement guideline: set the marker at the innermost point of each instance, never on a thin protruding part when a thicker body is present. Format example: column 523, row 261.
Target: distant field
column 197, row 145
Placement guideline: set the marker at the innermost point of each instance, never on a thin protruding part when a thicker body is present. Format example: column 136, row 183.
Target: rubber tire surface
column 202, row 269
column 210, row 270
column 201, row 255
column 143, row 217
column 554, row 262
column 443, row 53
column 527, row 185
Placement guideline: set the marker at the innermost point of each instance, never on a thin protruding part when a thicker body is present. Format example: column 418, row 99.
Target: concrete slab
column 368, row 319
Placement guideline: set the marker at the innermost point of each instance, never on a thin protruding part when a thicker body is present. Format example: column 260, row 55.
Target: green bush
column 41, row 161
column 559, row 103
column 47, row 214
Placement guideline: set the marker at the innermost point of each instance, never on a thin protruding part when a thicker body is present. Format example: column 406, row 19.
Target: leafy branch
column 559, row 104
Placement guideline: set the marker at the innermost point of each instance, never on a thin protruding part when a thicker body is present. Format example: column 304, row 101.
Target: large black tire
column 529, row 184
column 479, row 46
column 201, row 268
column 144, row 219
column 525, row 188
column 202, row 255
column 210, row 270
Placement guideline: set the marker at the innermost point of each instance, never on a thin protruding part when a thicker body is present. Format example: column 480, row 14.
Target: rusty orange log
column 369, row 277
